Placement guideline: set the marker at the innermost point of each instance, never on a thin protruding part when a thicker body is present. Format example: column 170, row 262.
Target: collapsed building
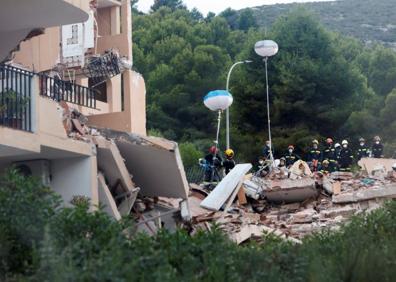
column 72, row 113
column 72, row 110
column 291, row 205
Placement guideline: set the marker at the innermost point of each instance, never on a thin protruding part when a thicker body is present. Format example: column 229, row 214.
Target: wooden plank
column 242, row 197
column 232, row 197
column 225, row 188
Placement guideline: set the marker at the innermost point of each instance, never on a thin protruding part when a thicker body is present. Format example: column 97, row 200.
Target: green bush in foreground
column 39, row 241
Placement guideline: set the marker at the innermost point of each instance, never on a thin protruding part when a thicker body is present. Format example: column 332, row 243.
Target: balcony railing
column 61, row 90
column 15, row 98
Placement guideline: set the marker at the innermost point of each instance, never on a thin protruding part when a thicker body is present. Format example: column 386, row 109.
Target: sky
column 216, row 6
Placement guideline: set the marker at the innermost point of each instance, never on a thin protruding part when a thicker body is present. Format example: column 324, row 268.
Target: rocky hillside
column 368, row 20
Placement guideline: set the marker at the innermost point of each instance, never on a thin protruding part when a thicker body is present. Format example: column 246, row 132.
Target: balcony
column 15, row 98
column 61, row 90
column 18, row 90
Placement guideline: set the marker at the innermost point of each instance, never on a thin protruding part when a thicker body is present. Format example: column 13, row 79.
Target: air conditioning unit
column 40, row 169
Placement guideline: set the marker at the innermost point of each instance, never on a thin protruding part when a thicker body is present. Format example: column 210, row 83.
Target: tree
column 247, row 20
column 173, row 4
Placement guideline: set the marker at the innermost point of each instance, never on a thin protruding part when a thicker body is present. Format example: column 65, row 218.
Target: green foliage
column 42, row 242
column 190, row 154
column 173, row 4
column 26, row 207
column 321, row 83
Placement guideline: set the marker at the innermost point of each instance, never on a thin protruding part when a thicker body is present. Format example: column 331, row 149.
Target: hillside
column 368, row 20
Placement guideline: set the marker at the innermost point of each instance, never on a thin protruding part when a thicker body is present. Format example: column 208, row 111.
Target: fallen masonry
column 294, row 208
column 143, row 178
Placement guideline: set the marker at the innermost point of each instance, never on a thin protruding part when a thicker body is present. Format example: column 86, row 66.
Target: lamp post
column 228, row 110
column 218, row 100
column 266, row 49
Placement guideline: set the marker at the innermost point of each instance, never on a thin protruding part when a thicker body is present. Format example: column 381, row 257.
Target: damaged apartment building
column 72, row 109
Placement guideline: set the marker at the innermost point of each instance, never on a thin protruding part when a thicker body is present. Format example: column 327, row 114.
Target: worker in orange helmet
column 329, row 154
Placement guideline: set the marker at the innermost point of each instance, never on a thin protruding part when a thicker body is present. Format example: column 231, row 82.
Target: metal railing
column 61, row 90
column 15, row 98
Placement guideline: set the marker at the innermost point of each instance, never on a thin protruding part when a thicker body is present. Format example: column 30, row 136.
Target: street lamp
column 218, row 100
column 266, row 49
column 228, row 110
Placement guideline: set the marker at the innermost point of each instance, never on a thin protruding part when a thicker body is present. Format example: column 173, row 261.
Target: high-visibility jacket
column 377, row 150
column 362, row 152
column 346, row 158
column 314, row 154
column 291, row 158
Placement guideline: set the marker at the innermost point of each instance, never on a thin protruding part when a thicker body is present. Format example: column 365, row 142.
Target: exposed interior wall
column 133, row 118
column 75, row 177
column 41, row 52
column 50, row 118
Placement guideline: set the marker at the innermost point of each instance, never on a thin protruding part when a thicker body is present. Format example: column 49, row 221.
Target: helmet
column 229, row 153
column 315, row 142
column 291, row 147
column 377, row 138
column 394, row 166
column 344, row 142
column 329, row 141
column 361, row 139
column 325, row 162
column 213, row 150
column 337, row 145
column 283, row 159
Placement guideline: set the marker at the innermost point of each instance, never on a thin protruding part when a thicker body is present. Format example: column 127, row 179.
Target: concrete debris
column 290, row 190
column 139, row 176
column 226, row 188
column 294, row 207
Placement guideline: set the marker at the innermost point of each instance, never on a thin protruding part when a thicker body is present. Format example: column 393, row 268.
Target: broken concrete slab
column 304, row 216
column 225, row 188
column 369, row 164
column 111, row 163
column 387, row 191
column 289, row 191
column 346, row 211
column 155, row 163
column 341, row 175
column 106, row 199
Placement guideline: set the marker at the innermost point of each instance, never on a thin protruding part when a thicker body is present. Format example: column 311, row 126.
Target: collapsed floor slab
column 155, row 163
column 111, row 163
column 289, row 191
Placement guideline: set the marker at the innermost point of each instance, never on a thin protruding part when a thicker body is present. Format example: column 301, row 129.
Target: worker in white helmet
column 345, row 158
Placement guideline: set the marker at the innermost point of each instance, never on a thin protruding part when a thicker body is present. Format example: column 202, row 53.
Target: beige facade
column 123, row 103
column 32, row 129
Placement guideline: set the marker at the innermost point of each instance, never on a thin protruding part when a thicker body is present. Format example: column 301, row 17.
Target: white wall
column 72, row 177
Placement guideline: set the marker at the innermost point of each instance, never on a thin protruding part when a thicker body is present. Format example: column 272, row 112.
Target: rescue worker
column 229, row 162
column 363, row 150
column 346, row 157
column 213, row 162
column 282, row 162
column 329, row 154
column 290, row 156
column 266, row 150
column 377, row 148
column 325, row 168
column 337, row 148
column 314, row 156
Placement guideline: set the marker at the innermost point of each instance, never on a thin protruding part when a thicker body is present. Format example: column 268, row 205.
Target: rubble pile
column 138, row 176
column 143, row 178
column 292, row 208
